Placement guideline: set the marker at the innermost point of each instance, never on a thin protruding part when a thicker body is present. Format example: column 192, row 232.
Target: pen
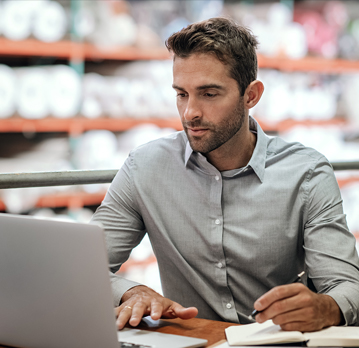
column 255, row 312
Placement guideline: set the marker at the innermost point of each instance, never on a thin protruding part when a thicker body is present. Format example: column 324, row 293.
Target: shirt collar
column 257, row 161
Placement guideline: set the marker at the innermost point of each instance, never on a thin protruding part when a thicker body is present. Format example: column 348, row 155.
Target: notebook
column 268, row 333
column 55, row 289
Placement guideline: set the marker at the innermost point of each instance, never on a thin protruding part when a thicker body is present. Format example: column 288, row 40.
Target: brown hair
column 232, row 44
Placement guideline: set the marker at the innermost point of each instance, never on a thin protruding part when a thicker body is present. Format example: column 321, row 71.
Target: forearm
column 120, row 286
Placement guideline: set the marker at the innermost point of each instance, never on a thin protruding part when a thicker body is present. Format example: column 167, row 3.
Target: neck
column 236, row 153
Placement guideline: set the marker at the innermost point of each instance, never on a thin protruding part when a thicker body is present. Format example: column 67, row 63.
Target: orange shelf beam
column 343, row 182
column 66, row 200
column 79, row 124
column 76, row 50
column 287, row 124
column 125, row 53
column 70, row 200
column 314, row 64
column 86, row 51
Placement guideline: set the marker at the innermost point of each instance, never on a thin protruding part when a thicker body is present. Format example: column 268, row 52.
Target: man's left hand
column 296, row 308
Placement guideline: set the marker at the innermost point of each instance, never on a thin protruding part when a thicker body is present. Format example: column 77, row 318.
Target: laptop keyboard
column 133, row 345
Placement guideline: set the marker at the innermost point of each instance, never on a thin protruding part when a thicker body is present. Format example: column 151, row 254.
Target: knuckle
column 278, row 291
column 141, row 304
column 307, row 300
column 279, row 319
column 276, row 321
column 289, row 327
column 279, row 306
column 301, row 286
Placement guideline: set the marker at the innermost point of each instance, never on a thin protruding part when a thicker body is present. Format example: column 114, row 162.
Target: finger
column 138, row 311
column 279, row 307
column 302, row 325
column 277, row 293
column 157, row 310
column 182, row 312
column 302, row 315
column 124, row 315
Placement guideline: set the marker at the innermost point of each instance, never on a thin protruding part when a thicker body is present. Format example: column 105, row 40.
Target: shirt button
column 219, row 264
column 216, row 177
column 217, row 222
column 228, row 305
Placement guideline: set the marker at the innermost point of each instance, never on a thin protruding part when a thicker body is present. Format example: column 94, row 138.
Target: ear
column 253, row 94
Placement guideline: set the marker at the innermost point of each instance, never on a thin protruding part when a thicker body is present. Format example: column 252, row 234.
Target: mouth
column 197, row 131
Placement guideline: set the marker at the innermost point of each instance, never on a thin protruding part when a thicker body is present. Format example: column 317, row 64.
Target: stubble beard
column 219, row 134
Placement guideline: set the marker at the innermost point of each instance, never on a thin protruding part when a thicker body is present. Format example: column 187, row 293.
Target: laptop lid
column 54, row 285
column 55, row 289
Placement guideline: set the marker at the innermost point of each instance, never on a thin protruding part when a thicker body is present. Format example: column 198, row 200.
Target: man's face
column 208, row 101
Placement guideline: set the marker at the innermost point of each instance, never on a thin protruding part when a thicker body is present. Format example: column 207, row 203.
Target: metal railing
column 82, row 177
column 63, row 178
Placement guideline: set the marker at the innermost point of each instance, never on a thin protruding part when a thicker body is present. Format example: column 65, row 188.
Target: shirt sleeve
column 331, row 256
column 123, row 225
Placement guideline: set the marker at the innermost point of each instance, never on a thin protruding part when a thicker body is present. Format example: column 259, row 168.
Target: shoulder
column 294, row 152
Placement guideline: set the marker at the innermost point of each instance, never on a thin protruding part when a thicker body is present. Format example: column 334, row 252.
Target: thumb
column 183, row 312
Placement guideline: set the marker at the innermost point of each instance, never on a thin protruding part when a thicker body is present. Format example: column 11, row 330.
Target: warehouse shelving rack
column 77, row 51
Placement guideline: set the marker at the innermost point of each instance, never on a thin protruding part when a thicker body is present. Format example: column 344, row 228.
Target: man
column 232, row 214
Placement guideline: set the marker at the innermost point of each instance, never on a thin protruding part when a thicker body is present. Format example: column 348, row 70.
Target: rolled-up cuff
column 119, row 287
column 342, row 295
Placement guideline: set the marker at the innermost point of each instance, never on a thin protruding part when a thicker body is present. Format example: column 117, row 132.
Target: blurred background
column 84, row 82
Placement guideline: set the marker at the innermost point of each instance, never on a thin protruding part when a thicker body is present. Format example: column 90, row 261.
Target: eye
column 181, row 95
column 210, row 95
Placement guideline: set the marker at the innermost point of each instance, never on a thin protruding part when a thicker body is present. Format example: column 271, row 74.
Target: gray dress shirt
column 223, row 239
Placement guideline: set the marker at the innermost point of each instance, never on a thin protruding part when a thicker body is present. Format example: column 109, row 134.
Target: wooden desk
column 212, row 331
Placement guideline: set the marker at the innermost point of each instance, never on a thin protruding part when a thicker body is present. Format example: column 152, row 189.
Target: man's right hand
column 140, row 301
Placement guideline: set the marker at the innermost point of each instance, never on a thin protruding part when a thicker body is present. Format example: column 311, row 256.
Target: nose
column 192, row 110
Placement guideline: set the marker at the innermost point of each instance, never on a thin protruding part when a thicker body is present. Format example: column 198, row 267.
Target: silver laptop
column 55, row 289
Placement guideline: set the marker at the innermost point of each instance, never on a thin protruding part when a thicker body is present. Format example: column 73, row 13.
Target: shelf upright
column 77, row 58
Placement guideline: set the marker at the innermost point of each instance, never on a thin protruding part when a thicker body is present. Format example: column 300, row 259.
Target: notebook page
column 347, row 336
column 257, row 334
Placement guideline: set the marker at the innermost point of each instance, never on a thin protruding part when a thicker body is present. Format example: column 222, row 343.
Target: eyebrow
column 200, row 88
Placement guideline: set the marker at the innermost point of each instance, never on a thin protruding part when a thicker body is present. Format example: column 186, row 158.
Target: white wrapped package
column 294, row 41
column 350, row 96
column 279, row 15
column 32, row 95
column 95, row 149
column 8, row 85
column 65, row 91
column 113, row 29
column 16, row 19
column 91, row 107
column 85, row 21
column 50, row 22
column 19, row 201
column 93, row 86
column 114, row 95
column 1, row 17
